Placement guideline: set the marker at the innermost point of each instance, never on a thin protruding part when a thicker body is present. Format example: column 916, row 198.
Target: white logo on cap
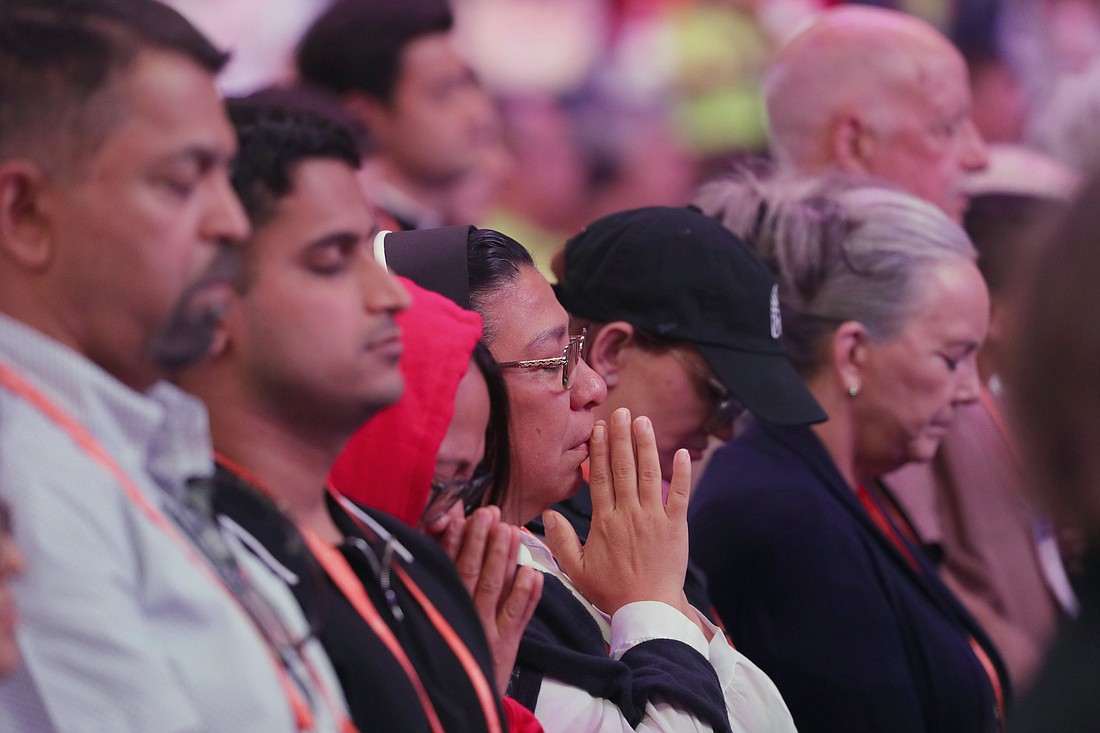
column 777, row 321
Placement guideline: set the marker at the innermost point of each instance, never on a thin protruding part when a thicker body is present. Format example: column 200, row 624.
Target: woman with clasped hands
column 613, row 645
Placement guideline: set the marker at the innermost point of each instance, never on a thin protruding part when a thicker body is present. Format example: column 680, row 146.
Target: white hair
column 842, row 248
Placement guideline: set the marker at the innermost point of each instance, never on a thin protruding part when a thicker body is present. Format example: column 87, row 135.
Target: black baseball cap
column 676, row 273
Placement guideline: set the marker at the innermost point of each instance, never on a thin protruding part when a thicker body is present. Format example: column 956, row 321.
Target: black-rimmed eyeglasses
column 445, row 494
column 726, row 407
column 568, row 361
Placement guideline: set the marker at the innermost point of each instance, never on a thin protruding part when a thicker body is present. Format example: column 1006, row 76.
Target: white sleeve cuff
column 642, row 621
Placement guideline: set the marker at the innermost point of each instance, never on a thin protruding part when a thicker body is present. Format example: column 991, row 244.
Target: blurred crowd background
column 608, row 105
column 632, row 102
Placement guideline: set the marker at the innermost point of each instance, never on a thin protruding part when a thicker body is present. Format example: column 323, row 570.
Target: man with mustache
column 117, row 223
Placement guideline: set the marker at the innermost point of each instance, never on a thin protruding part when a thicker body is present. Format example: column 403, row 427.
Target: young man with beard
column 307, row 351
column 117, row 222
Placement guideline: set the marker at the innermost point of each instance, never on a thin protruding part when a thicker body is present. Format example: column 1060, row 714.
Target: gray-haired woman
column 812, row 567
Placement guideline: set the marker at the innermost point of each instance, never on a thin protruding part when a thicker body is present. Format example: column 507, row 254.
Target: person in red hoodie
column 441, row 451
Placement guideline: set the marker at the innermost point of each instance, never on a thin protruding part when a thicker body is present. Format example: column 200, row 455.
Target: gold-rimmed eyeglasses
column 568, row 361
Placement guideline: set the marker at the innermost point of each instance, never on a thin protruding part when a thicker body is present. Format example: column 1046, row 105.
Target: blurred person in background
column 1051, row 369
column 394, row 65
column 581, row 156
column 876, row 92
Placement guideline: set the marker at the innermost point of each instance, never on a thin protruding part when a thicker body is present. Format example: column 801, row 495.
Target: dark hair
column 272, row 137
column 498, row 454
column 358, row 45
column 58, row 57
column 493, row 260
column 1055, row 362
column 1003, row 226
column 304, row 98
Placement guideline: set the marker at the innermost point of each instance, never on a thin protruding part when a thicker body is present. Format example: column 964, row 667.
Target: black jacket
column 853, row 636
column 379, row 694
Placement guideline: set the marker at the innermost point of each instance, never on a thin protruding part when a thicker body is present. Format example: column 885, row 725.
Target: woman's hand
column 637, row 548
column 505, row 595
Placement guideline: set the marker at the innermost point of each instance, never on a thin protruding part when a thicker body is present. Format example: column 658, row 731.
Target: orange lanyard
column 343, row 576
column 339, row 571
column 18, row 385
column 878, row 516
column 473, row 670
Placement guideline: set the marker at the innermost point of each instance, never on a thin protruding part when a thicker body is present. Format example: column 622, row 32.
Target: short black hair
column 273, row 136
column 358, row 45
column 58, row 56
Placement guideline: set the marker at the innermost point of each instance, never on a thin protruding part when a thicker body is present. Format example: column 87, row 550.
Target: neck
column 28, row 302
column 291, row 469
column 837, row 433
column 423, row 198
column 517, row 516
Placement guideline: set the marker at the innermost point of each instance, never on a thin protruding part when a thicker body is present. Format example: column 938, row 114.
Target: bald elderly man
column 877, row 92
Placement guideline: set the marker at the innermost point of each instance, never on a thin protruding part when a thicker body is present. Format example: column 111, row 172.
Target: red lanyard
column 343, row 576
column 878, row 516
column 18, row 385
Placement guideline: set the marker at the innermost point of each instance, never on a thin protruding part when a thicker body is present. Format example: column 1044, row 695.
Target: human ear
column 371, row 112
column 229, row 323
column 849, row 345
column 852, row 143
column 605, row 353
column 23, row 232
column 220, row 342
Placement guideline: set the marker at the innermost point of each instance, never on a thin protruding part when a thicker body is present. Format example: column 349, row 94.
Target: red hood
column 389, row 462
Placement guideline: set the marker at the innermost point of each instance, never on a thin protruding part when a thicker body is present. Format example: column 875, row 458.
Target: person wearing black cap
column 614, row 644
column 683, row 325
column 683, row 319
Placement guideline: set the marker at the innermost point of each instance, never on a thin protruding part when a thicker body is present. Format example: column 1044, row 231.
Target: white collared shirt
column 121, row 630
column 753, row 703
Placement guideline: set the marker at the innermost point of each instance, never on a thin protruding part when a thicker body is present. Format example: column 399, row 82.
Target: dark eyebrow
column 548, row 336
column 335, row 239
column 203, row 157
